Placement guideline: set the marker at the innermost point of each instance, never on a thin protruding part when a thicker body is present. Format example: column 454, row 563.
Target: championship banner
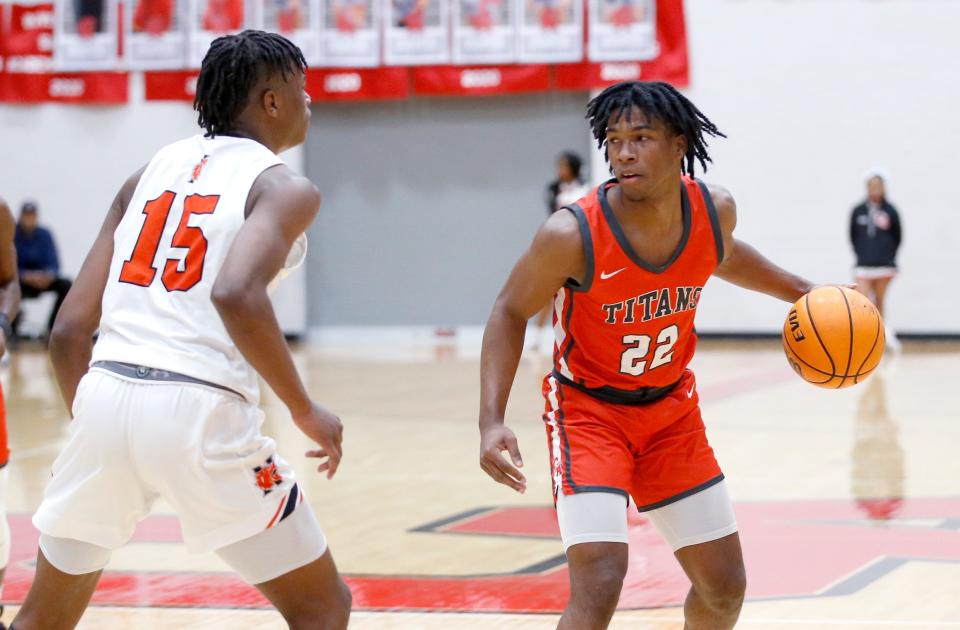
column 86, row 35
column 622, row 30
column 170, row 86
column 671, row 65
column 297, row 20
column 155, row 34
column 484, row 31
column 453, row 81
column 208, row 20
column 550, row 31
column 358, row 84
column 28, row 76
column 416, row 32
column 350, row 33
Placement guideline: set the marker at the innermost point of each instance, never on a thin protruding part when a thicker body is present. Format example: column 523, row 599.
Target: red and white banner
column 350, row 33
column 550, row 31
column 170, row 86
column 29, row 76
column 484, row 31
column 416, row 32
column 484, row 80
column 86, row 35
column 671, row 65
column 358, row 84
column 297, row 20
column 622, row 30
column 155, row 34
column 208, row 20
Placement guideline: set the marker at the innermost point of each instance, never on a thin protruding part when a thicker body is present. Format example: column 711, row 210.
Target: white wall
column 811, row 93
column 73, row 160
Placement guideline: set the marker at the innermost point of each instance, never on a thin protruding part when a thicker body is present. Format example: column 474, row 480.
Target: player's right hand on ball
column 324, row 428
column 493, row 443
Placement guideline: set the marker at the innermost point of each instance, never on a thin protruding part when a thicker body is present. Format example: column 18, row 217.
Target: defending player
column 9, row 304
column 166, row 406
column 625, row 267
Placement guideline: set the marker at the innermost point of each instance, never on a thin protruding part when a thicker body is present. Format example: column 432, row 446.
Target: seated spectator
column 37, row 261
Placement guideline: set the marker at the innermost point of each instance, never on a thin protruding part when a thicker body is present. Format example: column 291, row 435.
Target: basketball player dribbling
column 9, row 304
column 165, row 403
column 625, row 266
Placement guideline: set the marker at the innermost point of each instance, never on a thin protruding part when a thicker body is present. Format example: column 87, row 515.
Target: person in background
column 875, row 234
column 37, row 261
column 565, row 189
column 569, row 185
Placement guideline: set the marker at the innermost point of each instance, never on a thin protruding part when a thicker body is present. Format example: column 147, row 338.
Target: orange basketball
column 833, row 337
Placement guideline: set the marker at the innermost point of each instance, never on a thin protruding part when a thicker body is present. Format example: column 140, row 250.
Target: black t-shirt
column 875, row 234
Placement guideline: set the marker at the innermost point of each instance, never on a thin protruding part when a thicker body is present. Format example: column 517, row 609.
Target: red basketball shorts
column 657, row 452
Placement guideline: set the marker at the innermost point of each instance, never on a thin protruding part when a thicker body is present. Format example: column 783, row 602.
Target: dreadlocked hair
column 231, row 68
column 656, row 100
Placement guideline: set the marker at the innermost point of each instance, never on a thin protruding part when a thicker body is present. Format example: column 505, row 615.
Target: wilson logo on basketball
column 267, row 476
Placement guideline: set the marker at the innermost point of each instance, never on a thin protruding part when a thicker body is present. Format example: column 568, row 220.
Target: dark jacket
column 36, row 251
column 875, row 241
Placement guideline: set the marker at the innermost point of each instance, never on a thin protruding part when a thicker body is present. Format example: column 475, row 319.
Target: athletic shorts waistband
column 145, row 373
column 642, row 396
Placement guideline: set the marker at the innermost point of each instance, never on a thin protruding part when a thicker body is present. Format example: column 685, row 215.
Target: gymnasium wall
column 823, row 90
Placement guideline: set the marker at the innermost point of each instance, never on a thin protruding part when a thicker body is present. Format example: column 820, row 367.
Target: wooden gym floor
column 848, row 501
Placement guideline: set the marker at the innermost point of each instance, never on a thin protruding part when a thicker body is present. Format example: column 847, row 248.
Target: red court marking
column 792, row 549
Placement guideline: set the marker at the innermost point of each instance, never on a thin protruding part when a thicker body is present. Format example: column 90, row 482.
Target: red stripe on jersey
column 628, row 331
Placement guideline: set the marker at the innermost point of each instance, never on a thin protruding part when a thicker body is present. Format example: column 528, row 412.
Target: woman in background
column 876, row 234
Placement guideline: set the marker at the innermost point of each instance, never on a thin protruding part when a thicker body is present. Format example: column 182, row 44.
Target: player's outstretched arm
column 9, row 285
column 71, row 340
column 555, row 255
column 744, row 266
column 281, row 206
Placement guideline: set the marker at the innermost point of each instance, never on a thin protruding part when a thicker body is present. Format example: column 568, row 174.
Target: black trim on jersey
column 587, row 239
column 566, row 329
column 567, row 469
column 714, row 220
column 682, row 495
column 621, row 237
column 642, row 396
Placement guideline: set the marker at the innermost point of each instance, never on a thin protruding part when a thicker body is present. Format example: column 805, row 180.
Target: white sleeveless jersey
column 167, row 252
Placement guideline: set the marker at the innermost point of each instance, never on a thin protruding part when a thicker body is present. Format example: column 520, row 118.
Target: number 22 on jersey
column 139, row 268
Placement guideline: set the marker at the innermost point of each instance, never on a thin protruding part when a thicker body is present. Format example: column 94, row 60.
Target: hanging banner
column 551, row 31
column 417, row 32
column 170, row 86
column 358, row 84
column 297, row 20
column 86, row 35
column 350, row 33
column 453, row 81
column 670, row 65
column 484, row 31
column 28, row 47
column 622, row 30
column 155, row 34
column 208, row 20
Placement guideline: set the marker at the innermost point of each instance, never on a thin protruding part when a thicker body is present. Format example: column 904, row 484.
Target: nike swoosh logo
column 604, row 275
column 690, row 393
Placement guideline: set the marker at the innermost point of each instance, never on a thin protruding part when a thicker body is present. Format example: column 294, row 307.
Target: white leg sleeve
column 294, row 542
column 592, row 517
column 4, row 526
column 701, row 517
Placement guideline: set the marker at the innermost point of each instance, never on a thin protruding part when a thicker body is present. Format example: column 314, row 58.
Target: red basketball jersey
column 4, row 449
column 626, row 334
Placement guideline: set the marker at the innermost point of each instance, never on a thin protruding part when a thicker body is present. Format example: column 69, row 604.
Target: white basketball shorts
column 199, row 448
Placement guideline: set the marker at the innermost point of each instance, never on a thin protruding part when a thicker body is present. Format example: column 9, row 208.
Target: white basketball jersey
column 168, row 251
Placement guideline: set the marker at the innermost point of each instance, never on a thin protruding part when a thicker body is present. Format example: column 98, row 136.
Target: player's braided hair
column 656, row 100
column 232, row 67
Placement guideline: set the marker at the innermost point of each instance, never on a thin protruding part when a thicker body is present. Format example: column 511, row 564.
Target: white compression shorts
column 294, row 542
column 602, row 517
